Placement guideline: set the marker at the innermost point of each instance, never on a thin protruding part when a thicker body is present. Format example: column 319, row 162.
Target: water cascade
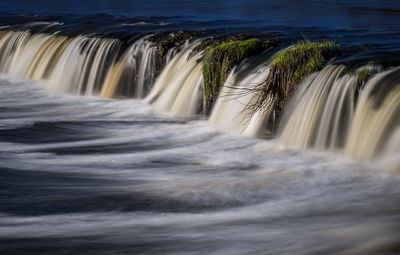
column 230, row 112
column 84, row 65
column 47, row 57
column 77, row 66
column 177, row 90
column 11, row 46
column 321, row 111
column 25, row 53
column 324, row 115
column 328, row 111
column 376, row 124
column 134, row 74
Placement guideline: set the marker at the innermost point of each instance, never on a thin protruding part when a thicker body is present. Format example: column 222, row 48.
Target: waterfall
column 321, row 110
column 11, row 46
column 47, row 57
column 323, row 114
column 230, row 112
column 171, row 53
column 376, row 124
column 177, row 90
column 25, row 53
column 134, row 74
column 328, row 111
column 77, row 66
column 83, row 65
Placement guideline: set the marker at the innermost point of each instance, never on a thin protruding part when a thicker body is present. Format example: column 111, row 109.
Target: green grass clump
column 217, row 40
column 304, row 58
column 364, row 75
column 290, row 66
column 219, row 61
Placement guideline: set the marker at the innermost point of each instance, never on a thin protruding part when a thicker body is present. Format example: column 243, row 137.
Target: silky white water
column 75, row 66
column 325, row 115
column 321, row 111
column 85, row 173
column 231, row 112
column 377, row 118
column 177, row 90
column 134, row 74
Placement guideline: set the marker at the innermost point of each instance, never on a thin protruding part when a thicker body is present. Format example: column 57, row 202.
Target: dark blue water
column 369, row 14
column 369, row 30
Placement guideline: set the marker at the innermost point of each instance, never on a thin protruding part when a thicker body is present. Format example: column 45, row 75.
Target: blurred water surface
column 379, row 14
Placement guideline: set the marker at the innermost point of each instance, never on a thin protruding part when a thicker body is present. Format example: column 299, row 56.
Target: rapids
column 94, row 176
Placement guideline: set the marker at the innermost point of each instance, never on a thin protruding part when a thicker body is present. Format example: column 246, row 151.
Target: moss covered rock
column 221, row 58
column 304, row 58
column 218, row 40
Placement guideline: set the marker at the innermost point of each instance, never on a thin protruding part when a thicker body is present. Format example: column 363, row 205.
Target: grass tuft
column 304, row 58
column 290, row 66
column 364, row 75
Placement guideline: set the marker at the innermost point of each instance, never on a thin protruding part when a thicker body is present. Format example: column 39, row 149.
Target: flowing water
column 177, row 89
column 100, row 154
column 93, row 176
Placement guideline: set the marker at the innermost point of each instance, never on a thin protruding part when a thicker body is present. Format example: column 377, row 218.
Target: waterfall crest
column 83, row 65
column 324, row 115
column 321, row 111
column 231, row 112
column 76, row 66
column 47, row 57
column 86, row 65
column 177, row 90
column 12, row 45
column 376, row 124
column 134, row 74
column 329, row 110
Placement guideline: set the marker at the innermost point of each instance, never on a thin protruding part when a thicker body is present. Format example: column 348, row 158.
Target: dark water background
column 371, row 14
column 369, row 29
